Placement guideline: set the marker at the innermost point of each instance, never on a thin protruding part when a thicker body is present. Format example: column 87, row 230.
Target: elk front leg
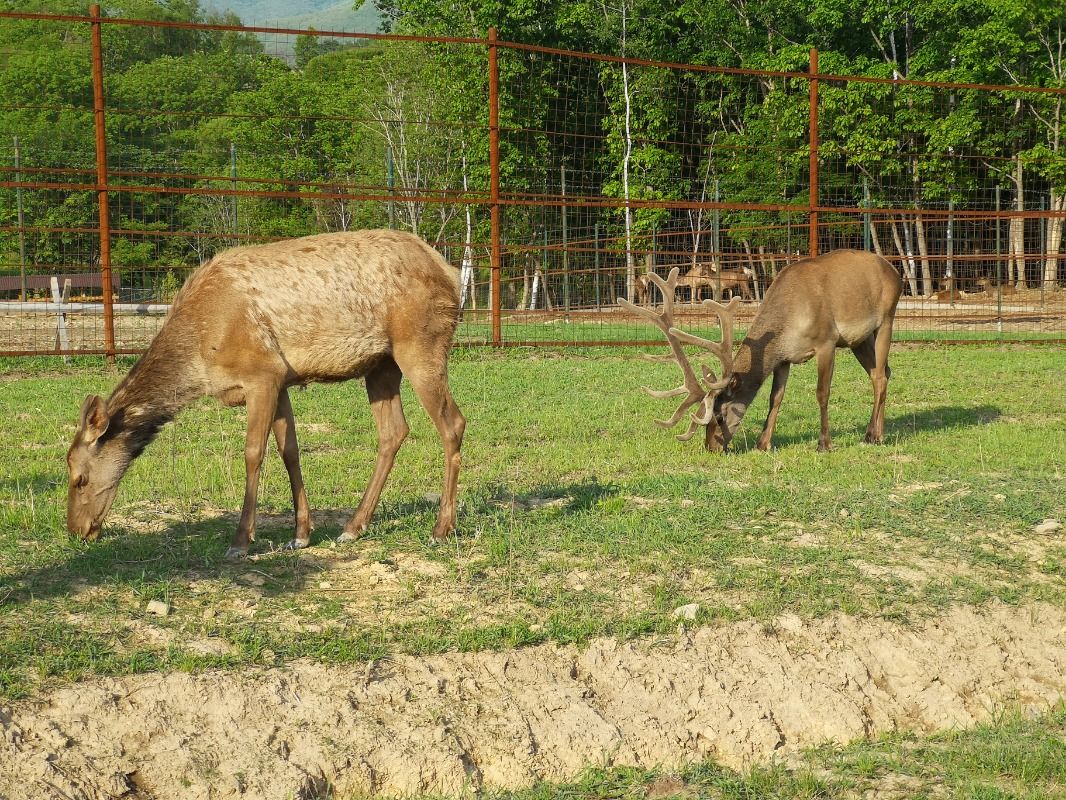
column 428, row 372
column 777, row 392
column 383, row 391
column 284, row 427
column 262, row 404
column 826, row 361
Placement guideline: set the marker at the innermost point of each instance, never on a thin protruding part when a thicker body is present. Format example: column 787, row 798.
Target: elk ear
column 734, row 382
column 94, row 419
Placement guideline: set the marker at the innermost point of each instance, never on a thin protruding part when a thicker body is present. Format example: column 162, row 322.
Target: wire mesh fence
column 131, row 151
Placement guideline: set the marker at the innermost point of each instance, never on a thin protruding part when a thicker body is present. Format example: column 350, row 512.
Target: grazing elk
column 719, row 281
column 695, row 279
column 255, row 320
column 732, row 280
column 846, row 298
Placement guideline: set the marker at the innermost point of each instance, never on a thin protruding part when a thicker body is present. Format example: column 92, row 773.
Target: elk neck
column 755, row 360
column 160, row 384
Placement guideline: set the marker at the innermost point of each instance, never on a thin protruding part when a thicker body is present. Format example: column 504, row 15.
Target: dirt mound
column 457, row 722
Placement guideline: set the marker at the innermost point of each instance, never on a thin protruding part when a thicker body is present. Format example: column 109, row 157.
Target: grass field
column 1013, row 757
column 578, row 519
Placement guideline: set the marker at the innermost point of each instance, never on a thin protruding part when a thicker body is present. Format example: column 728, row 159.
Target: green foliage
column 189, row 101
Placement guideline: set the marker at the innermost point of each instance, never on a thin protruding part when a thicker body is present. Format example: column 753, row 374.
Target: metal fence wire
column 554, row 180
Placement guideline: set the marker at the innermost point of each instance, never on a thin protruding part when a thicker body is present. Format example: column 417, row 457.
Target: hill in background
column 323, row 15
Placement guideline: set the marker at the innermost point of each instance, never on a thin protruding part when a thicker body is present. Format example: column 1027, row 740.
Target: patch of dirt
column 902, row 787
column 459, row 722
column 914, row 577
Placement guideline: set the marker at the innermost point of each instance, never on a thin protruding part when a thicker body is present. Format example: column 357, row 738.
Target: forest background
column 323, row 111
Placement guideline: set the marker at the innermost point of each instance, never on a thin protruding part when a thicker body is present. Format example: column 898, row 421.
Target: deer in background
column 695, row 279
column 255, row 320
column 846, row 298
column 732, row 280
column 719, row 281
column 642, row 290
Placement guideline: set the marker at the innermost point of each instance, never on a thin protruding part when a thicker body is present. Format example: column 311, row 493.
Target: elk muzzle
column 714, row 439
column 86, row 510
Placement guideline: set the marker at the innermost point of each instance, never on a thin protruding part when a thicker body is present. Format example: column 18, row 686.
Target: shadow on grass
column 188, row 550
column 185, row 550
column 902, row 426
column 898, row 427
column 566, row 499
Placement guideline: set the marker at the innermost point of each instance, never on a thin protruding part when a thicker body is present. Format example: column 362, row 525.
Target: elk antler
column 724, row 349
column 694, row 391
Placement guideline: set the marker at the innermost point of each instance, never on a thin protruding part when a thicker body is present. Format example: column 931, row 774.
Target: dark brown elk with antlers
column 846, row 298
column 254, row 321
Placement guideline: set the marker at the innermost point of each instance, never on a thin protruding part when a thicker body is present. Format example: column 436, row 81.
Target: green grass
column 1014, row 757
column 578, row 517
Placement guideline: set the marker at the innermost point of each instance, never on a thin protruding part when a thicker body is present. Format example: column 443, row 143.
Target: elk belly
column 231, row 396
column 855, row 331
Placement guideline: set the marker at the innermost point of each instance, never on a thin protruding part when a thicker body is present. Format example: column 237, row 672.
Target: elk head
column 96, row 463
column 711, row 395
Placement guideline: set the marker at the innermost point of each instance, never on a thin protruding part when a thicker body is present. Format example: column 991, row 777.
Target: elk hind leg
column 826, row 363
column 777, row 392
column 426, row 367
column 872, row 353
column 383, row 391
column 284, row 427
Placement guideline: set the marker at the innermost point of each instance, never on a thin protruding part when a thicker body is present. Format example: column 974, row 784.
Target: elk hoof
column 236, row 553
column 346, row 537
column 296, row 544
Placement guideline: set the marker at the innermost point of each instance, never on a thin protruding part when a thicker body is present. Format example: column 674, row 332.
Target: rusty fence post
column 494, row 186
column 101, row 184
column 814, row 153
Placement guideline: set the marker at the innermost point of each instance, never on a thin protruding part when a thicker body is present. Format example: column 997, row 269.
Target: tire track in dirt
column 738, row 694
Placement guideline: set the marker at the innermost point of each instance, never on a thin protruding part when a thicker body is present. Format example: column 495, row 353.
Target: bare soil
column 455, row 723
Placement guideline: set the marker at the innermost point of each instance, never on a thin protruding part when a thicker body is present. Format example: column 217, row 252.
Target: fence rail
column 553, row 179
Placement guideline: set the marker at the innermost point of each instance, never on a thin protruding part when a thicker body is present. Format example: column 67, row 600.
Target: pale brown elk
column 719, row 281
column 695, row 279
column 732, row 281
column 256, row 320
column 846, row 298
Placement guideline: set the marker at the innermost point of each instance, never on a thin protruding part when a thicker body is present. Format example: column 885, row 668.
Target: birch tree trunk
column 525, row 282
column 1016, row 230
column 923, row 254
column 695, row 219
column 1054, row 240
column 536, row 288
column 908, row 262
column 875, row 240
column 466, row 271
